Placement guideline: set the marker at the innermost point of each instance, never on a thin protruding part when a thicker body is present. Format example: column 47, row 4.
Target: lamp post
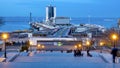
column 38, row 47
column 43, row 46
column 78, row 46
column 5, row 36
column 78, row 49
column 114, row 50
column 75, row 47
column 30, row 44
column 114, row 38
column 101, row 44
column 88, row 44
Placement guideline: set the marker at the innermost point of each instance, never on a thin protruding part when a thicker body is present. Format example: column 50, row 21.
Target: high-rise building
column 30, row 17
column 50, row 12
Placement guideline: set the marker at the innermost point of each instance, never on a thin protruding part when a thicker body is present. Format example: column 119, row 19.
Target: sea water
column 22, row 23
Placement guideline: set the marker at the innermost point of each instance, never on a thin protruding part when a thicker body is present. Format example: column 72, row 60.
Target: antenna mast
column 30, row 17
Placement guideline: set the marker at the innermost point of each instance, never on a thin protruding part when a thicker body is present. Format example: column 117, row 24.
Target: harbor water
column 22, row 23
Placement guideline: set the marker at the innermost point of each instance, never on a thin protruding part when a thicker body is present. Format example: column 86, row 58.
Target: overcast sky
column 71, row 8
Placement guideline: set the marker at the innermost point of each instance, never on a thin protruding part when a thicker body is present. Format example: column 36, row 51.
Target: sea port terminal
column 56, row 42
column 57, row 30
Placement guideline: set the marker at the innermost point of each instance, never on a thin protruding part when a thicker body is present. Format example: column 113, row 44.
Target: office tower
column 50, row 12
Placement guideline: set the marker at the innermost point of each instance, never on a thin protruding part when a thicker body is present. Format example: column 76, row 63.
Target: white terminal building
column 62, row 20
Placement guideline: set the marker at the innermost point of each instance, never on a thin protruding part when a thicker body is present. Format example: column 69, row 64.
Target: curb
column 104, row 58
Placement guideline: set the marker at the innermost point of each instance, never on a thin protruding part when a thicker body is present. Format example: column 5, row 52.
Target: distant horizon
column 60, row 16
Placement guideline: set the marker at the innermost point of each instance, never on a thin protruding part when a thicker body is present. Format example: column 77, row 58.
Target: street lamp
column 75, row 46
column 30, row 43
column 114, row 38
column 43, row 46
column 101, row 44
column 38, row 46
column 88, row 43
column 5, row 36
column 78, row 46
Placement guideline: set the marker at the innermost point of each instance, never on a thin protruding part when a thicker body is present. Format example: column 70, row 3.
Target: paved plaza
column 58, row 60
column 58, row 57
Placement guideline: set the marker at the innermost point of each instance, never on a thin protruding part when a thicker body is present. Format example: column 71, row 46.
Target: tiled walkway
column 59, row 57
column 58, row 60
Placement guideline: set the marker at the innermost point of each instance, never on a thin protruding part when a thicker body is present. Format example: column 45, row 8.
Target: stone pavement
column 57, row 65
column 59, row 57
column 10, row 57
column 58, row 60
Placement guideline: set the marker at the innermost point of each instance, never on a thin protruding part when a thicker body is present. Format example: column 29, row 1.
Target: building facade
column 50, row 12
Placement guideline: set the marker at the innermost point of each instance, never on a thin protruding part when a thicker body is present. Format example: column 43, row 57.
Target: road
column 62, row 32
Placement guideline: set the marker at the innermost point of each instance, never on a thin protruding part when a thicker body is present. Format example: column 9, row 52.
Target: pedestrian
column 88, row 53
column 75, row 52
column 114, row 53
column 78, row 53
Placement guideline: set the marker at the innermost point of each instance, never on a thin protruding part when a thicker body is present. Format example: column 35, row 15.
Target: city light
column 101, row 43
column 114, row 37
column 39, row 45
column 60, row 44
column 30, row 42
column 75, row 46
column 5, row 36
column 80, row 45
column 88, row 43
column 43, row 46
